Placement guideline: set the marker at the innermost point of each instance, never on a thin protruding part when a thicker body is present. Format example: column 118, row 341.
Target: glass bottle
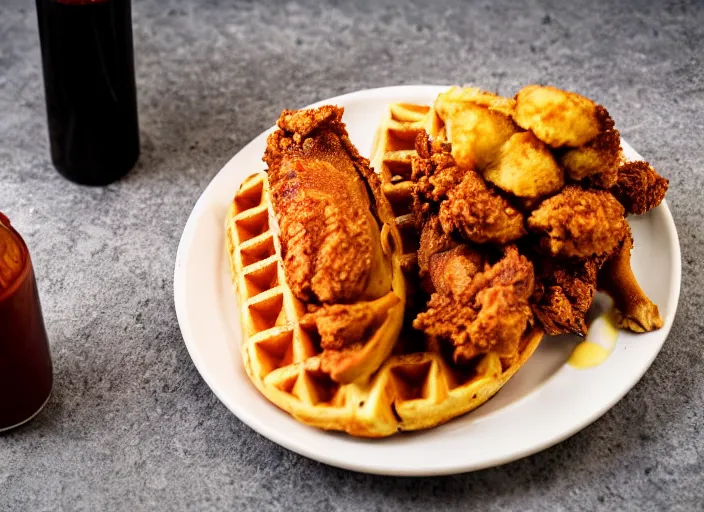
column 25, row 362
column 89, row 84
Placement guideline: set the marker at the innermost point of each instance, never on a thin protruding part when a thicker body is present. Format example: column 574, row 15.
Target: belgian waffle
column 409, row 391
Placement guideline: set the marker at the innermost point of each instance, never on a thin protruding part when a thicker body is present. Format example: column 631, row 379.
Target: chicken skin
column 554, row 157
column 330, row 236
column 579, row 223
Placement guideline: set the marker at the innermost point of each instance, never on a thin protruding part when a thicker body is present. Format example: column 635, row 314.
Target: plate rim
column 273, row 435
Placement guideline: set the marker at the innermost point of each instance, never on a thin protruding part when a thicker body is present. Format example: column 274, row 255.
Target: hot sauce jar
column 25, row 361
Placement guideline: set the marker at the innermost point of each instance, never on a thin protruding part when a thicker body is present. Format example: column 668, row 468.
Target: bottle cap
column 13, row 256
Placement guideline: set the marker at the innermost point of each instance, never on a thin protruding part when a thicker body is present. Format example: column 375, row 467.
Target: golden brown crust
column 639, row 188
column 483, row 311
column 476, row 130
column 479, row 214
column 560, row 118
column 341, row 325
column 578, row 223
column 433, row 240
column 526, row 168
column 597, row 159
column 323, row 206
column 563, row 295
column 465, row 203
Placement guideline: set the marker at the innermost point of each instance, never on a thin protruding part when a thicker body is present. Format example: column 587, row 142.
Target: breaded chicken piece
column 525, row 167
column 597, row 159
column 433, row 174
column 433, row 240
column 639, row 188
column 559, row 118
column 564, row 292
column 479, row 214
column 467, row 207
column 579, row 223
column 319, row 188
column 340, row 325
column 444, row 264
column 634, row 310
column 490, row 313
column 476, row 133
column 451, row 271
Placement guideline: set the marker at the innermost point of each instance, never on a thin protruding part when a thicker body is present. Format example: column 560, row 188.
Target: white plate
column 545, row 402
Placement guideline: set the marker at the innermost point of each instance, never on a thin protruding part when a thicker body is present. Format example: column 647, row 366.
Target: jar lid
column 13, row 255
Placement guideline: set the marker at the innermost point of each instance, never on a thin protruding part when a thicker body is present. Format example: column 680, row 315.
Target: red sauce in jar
column 25, row 361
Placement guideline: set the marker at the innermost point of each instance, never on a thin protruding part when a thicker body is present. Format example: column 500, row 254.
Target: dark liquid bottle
column 25, row 361
column 91, row 98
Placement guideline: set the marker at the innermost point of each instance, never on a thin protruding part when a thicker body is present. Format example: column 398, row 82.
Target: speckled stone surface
column 132, row 426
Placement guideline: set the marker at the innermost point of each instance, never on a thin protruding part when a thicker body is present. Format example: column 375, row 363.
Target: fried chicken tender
column 490, row 313
column 525, row 167
column 475, row 131
column 479, row 214
column 597, row 159
column 579, row 223
column 559, row 118
column 466, row 205
column 634, row 310
column 330, row 236
column 564, row 292
column 639, row 188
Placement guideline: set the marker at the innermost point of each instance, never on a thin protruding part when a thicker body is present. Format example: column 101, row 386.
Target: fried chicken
column 559, row 118
column 463, row 199
column 466, row 205
column 475, row 131
column 639, row 188
column 579, row 223
column 445, row 266
column 525, row 167
column 319, row 183
column 433, row 240
column 634, row 310
column 340, row 326
column 478, row 310
column 597, row 160
column 564, row 292
column 433, row 174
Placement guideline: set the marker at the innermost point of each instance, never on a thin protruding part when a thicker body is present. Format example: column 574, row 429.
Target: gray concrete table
column 131, row 425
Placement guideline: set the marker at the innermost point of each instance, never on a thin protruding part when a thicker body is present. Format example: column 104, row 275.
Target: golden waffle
column 392, row 152
column 409, row 391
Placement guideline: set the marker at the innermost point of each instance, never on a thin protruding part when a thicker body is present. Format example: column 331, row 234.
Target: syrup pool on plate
column 598, row 345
